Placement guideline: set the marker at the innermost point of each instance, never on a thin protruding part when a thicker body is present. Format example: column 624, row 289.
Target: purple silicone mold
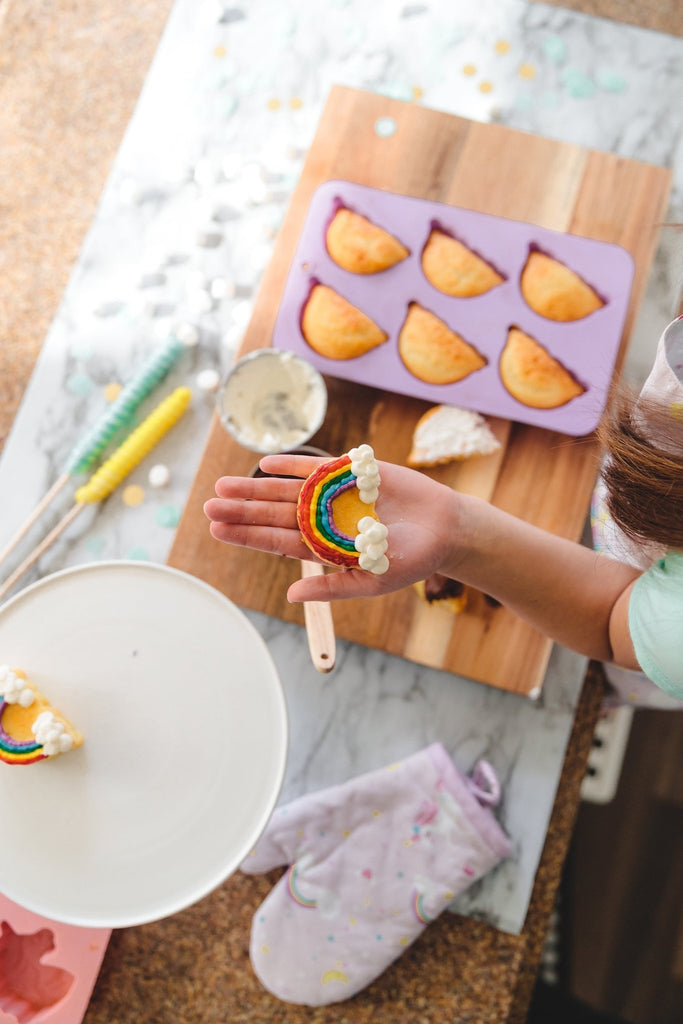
column 587, row 348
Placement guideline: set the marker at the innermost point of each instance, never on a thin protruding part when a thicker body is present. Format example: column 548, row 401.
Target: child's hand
column 420, row 514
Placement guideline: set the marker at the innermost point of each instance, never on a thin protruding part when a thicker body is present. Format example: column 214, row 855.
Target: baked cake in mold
column 454, row 269
column 533, row 376
column 334, row 328
column 556, row 292
column 336, row 512
column 587, row 348
column 31, row 729
column 432, row 352
column 361, row 247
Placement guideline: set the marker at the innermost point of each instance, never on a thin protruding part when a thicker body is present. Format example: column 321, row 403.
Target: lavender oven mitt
column 371, row 863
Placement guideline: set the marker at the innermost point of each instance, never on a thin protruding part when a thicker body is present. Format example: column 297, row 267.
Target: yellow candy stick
column 113, row 471
column 134, row 448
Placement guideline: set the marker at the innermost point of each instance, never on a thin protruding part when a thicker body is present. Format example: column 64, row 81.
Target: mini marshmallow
column 159, row 475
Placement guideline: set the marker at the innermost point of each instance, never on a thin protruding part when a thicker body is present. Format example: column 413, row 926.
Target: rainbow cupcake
column 31, row 729
column 336, row 512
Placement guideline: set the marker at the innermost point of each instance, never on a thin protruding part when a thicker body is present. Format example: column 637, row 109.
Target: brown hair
column 644, row 482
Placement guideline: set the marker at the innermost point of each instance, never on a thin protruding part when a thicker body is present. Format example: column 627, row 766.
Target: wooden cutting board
column 541, row 476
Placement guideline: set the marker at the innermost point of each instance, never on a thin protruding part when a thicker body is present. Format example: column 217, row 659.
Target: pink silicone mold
column 587, row 348
column 47, row 969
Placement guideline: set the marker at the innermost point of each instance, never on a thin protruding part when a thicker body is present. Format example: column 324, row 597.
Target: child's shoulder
column 655, row 622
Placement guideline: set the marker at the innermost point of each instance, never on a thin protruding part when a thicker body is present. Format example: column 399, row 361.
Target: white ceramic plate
column 185, row 744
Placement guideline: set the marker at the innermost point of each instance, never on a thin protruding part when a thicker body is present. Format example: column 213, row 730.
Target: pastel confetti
column 397, row 91
column 502, row 46
column 485, row 87
column 168, row 515
column 578, row 84
column 385, row 127
column 554, row 49
column 138, row 554
column 133, row 495
column 112, row 391
column 610, row 81
column 526, row 71
column 82, row 350
column 79, row 384
column 469, row 70
column 95, row 545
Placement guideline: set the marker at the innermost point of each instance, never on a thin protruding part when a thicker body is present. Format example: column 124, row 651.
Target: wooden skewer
column 40, row 549
column 319, row 625
column 35, row 515
column 115, row 469
column 88, row 449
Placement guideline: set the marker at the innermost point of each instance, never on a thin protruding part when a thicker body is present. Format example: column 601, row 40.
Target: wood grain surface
column 541, row 476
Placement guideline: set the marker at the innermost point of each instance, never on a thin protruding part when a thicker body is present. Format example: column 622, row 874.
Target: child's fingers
column 278, row 514
column 265, row 488
column 290, row 465
column 336, row 585
column 263, row 538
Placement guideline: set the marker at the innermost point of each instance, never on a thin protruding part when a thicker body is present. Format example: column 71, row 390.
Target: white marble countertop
column 183, row 232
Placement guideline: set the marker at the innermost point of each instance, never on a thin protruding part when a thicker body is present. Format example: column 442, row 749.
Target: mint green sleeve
column 655, row 617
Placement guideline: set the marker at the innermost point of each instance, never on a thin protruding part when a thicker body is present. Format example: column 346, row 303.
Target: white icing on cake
column 14, row 689
column 51, row 734
column 371, row 543
column 364, row 468
column 447, row 432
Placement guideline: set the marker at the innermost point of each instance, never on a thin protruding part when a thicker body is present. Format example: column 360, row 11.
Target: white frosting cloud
column 14, row 689
column 371, row 543
column 51, row 734
column 364, row 468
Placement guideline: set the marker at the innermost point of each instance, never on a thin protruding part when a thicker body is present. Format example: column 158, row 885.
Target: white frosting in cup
column 272, row 401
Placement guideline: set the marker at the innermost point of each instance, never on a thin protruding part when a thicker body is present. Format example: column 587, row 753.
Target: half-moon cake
column 454, row 269
column 334, row 328
column 442, row 592
column 361, row 247
column 533, row 376
column 434, row 353
column 446, row 433
column 555, row 291
column 31, row 729
column 336, row 512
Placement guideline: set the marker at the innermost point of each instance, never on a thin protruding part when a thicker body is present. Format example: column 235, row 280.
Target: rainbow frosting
column 31, row 729
column 336, row 512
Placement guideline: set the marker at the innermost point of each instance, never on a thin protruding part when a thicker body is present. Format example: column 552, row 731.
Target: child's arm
column 565, row 590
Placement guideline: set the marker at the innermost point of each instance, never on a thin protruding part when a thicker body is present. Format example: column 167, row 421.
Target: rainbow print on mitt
column 371, row 863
